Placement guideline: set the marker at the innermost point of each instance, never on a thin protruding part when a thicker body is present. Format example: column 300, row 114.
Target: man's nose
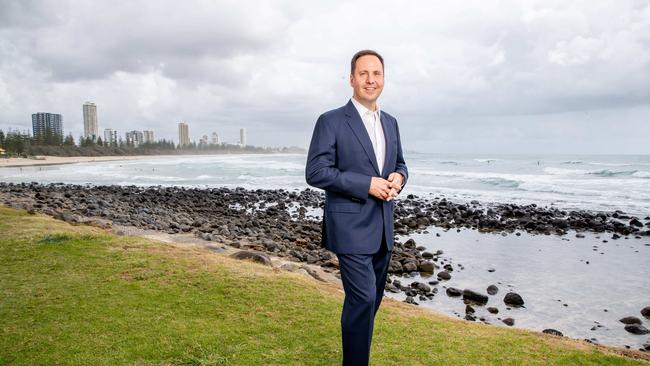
column 370, row 79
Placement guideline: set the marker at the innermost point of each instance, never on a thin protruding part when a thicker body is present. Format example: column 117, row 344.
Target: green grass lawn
column 78, row 295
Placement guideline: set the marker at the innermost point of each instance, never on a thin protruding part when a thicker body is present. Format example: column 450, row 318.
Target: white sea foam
column 501, row 182
column 564, row 181
column 612, row 173
column 562, row 171
column 619, row 164
column 158, row 178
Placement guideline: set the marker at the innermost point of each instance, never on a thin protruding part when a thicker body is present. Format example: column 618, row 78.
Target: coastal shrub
column 55, row 239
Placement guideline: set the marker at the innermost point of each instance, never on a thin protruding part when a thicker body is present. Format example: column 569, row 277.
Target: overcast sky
column 473, row 77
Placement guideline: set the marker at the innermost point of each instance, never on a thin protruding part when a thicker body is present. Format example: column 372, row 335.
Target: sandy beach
column 56, row 160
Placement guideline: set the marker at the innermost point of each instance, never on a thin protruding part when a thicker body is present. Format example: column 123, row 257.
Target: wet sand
column 57, row 160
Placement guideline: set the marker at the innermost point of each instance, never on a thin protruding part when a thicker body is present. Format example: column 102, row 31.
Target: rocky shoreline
column 278, row 222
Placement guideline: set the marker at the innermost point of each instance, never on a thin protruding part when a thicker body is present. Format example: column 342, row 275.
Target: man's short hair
column 353, row 64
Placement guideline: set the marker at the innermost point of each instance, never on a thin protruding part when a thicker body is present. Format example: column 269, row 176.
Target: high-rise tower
column 90, row 120
column 242, row 137
column 47, row 125
column 183, row 134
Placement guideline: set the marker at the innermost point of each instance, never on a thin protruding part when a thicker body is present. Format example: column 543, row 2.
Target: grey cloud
column 91, row 40
column 27, row 13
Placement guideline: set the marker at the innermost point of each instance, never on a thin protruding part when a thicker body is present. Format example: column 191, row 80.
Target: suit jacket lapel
column 356, row 124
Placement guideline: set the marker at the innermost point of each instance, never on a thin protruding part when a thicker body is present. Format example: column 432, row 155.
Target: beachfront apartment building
column 242, row 137
column 215, row 139
column 183, row 134
column 110, row 137
column 90, row 120
column 148, row 136
column 134, row 138
column 203, row 141
column 47, row 123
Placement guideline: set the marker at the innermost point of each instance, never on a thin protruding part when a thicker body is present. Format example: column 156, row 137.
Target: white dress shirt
column 372, row 122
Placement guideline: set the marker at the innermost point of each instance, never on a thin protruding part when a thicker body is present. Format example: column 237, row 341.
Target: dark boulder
column 427, row 266
column 637, row 329
column 410, row 300
column 630, row 320
column 509, row 322
column 410, row 266
column 423, row 287
column 636, row 222
column 646, row 312
column 391, row 288
column 475, row 297
column 253, row 256
column 453, row 292
column 410, row 244
column 395, row 267
column 553, row 332
column 514, row 299
column 492, row 290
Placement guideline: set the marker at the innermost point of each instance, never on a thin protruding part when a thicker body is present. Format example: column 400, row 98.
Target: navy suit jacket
column 341, row 161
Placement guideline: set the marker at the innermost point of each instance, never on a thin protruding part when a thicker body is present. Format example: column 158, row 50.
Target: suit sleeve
column 400, row 166
column 321, row 171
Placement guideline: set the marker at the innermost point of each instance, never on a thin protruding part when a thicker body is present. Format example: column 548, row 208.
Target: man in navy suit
column 356, row 157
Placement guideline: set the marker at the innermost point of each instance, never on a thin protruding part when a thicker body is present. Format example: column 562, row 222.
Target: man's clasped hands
column 386, row 189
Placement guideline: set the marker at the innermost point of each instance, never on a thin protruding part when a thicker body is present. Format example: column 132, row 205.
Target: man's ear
column 351, row 80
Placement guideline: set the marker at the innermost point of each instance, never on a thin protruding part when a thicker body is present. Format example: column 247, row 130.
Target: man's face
column 367, row 80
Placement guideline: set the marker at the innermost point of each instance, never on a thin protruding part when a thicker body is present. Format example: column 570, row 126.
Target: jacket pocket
column 351, row 207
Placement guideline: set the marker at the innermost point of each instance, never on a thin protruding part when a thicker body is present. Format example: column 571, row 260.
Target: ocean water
column 595, row 182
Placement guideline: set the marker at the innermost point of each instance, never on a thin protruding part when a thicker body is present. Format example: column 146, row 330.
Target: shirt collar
column 362, row 109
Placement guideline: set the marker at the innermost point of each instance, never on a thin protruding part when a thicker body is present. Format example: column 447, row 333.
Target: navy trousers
column 364, row 278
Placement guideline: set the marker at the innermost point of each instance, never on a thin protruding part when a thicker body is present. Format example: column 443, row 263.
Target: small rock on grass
column 254, row 256
column 553, row 332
